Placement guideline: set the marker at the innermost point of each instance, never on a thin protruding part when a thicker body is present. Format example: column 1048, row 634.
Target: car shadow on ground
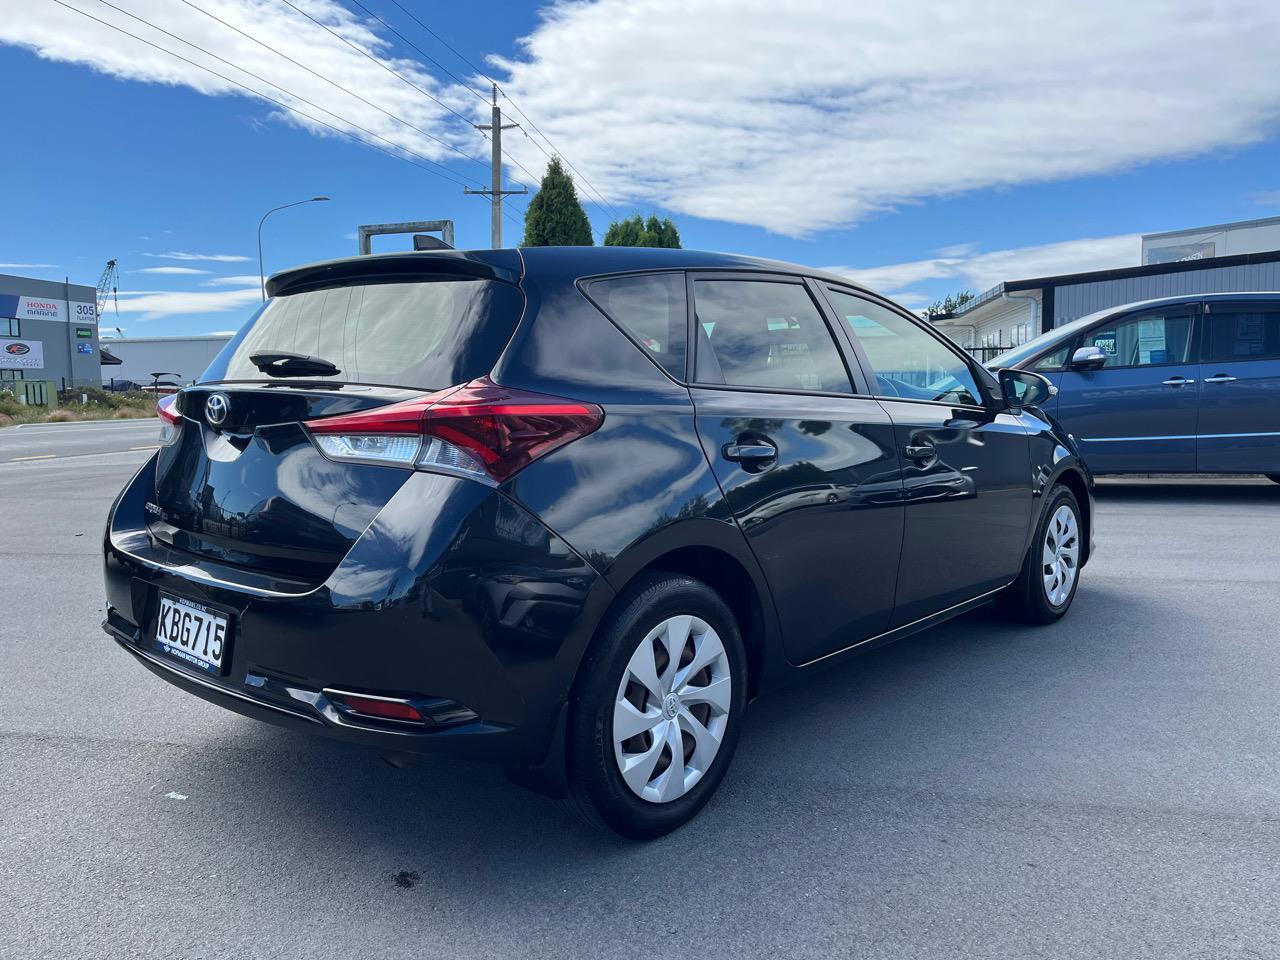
column 1188, row 491
column 895, row 720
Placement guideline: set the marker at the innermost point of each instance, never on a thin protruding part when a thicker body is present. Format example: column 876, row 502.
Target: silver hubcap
column 1061, row 555
column 672, row 709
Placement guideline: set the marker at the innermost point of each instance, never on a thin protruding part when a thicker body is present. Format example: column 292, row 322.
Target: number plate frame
column 175, row 651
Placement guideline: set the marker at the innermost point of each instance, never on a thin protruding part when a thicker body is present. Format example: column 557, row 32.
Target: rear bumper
column 454, row 594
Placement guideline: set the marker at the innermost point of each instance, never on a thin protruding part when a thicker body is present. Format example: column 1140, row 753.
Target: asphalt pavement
column 1106, row 787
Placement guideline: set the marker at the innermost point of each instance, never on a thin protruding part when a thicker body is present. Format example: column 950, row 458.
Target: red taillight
column 167, row 408
column 170, row 418
column 480, row 428
column 382, row 709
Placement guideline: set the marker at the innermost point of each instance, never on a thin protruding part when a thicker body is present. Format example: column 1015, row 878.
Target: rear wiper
column 283, row 364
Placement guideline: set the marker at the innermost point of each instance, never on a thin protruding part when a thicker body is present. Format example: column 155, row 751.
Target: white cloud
column 209, row 257
column 979, row 271
column 892, row 103
column 222, row 333
column 813, row 114
column 242, row 280
column 173, row 271
column 27, row 266
column 1266, row 198
column 57, row 33
column 159, row 305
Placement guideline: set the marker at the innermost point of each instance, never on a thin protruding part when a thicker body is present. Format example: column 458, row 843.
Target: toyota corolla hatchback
column 571, row 509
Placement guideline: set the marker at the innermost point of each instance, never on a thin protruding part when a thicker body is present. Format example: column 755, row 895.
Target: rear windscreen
column 423, row 334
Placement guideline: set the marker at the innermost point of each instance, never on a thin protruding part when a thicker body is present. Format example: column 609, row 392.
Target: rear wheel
column 655, row 715
column 1051, row 572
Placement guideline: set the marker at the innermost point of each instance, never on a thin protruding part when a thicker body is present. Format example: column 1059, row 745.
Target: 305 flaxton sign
column 40, row 308
column 21, row 354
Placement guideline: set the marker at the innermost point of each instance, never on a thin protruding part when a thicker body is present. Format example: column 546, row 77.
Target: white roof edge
column 1260, row 222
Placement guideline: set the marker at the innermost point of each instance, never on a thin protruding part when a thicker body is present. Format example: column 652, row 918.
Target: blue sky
column 863, row 155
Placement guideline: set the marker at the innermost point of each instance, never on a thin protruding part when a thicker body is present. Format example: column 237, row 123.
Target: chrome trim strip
column 1192, row 436
column 907, row 626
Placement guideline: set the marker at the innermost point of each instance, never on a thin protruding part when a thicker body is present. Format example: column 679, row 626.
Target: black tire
column 597, row 791
column 1026, row 599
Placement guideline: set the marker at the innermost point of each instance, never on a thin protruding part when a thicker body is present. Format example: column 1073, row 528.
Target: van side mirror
column 1088, row 358
column 1022, row 388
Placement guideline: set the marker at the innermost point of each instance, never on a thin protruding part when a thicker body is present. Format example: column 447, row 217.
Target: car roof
column 534, row 262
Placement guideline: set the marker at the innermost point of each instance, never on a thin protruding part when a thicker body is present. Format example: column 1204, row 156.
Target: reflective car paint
column 489, row 596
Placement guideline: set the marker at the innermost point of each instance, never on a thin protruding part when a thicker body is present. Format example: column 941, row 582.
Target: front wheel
column 1051, row 572
column 655, row 715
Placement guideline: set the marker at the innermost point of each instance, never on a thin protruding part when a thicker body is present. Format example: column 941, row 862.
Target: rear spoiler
column 502, row 265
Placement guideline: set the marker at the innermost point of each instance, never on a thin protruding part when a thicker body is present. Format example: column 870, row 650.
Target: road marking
column 42, row 456
column 154, row 446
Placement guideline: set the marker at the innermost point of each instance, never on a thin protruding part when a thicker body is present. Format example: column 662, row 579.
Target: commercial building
column 48, row 331
column 1223, row 258
column 177, row 360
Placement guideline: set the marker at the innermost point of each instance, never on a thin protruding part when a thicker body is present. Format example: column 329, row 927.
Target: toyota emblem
column 216, row 409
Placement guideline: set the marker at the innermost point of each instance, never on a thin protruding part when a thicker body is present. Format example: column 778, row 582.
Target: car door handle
column 1178, row 381
column 1220, row 378
column 749, row 452
column 921, row 453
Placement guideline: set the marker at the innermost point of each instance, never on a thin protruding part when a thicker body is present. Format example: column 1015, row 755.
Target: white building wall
column 182, row 359
column 1221, row 240
column 996, row 323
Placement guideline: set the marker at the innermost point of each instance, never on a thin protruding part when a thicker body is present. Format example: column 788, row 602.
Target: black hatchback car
column 571, row 509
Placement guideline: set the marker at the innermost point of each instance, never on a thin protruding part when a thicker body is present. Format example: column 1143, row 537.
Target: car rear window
column 423, row 334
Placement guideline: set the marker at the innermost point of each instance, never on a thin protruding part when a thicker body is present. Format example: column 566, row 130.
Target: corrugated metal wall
column 1076, row 300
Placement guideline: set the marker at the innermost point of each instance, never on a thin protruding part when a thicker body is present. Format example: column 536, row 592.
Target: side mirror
column 1088, row 358
column 1022, row 388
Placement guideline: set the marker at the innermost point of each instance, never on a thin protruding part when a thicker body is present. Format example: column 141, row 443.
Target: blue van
column 1177, row 385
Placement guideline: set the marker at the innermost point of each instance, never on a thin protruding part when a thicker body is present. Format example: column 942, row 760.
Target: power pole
column 495, row 193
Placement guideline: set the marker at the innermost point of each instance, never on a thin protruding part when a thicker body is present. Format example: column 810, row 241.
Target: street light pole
column 262, row 276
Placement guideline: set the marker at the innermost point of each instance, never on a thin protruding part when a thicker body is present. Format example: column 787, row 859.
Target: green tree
column 952, row 303
column 638, row 232
column 555, row 217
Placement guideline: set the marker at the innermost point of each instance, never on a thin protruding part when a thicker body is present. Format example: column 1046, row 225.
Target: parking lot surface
column 1106, row 787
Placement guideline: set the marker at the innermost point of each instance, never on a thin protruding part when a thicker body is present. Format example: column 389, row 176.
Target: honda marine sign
column 21, row 354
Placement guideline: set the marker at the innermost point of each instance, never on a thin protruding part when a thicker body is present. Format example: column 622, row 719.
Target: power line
column 369, row 56
column 601, row 202
column 334, row 83
column 288, row 93
column 258, row 93
column 456, row 79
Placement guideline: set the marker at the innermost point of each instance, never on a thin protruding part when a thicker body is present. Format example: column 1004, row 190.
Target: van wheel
column 1051, row 571
column 656, row 710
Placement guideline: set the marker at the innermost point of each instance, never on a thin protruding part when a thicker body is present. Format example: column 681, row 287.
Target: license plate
column 192, row 633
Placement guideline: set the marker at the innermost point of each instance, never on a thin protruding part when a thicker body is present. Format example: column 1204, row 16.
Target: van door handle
column 1178, row 381
column 749, row 452
column 1220, row 378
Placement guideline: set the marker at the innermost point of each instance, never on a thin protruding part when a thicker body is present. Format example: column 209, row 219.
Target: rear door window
column 764, row 333
column 424, row 334
column 1242, row 332
column 652, row 308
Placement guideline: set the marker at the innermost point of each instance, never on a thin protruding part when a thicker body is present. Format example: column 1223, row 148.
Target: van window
column 426, row 335
column 1149, row 339
column 1243, row 332
column 652, row 308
